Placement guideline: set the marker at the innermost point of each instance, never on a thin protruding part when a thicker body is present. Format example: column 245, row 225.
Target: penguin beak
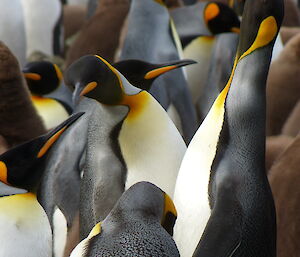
column 81, row 91
column 32, row 76
column 170, row 215
column 167, row 67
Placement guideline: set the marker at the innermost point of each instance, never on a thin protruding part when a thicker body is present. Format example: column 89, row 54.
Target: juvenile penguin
column 107, row 23
column 284, row 72
column 12, row 31
column 231, row 208
column 292, row 125
column 284, row 181
column 19, row 119
column 142, row 74
column 140, row 224
column 25, row 229
column 197, row 24
column 44, row 78
column 152, row 37
column 43, row 24
column 146, row 133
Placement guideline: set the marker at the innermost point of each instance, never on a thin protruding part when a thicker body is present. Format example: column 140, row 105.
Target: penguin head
column 220, row 18
column 42, row 77
column 21, row 166
column 141, row 74
column 94, row 77
column 147, row 201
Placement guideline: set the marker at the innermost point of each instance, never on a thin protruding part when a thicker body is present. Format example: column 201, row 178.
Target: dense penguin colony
column 149, row 128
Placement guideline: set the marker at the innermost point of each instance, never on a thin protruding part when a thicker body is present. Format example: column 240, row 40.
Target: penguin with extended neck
column 151, row 37
column 137, row 138
column 143, row 218
column 25, row 229
column 224, row 166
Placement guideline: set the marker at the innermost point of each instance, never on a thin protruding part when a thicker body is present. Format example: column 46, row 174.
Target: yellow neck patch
column 266, row 33
column 3, row 172
column 50, row 142
column 211, row 11
column 169, row 206
column 136, row 104
column 95, row 231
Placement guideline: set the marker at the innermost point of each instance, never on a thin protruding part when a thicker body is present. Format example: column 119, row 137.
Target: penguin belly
column 151, row 145
column 25, row 229
column 200, row 50
column 51, row 111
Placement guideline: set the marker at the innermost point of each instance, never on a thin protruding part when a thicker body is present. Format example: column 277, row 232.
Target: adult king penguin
column 144, row 134
column 140, row 224
column 25, row 229
column 224, row 166
column 152, row 37
column 44, row 78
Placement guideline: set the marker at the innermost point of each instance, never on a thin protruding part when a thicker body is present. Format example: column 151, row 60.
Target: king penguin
column 140, row 224
column 43, row 24
column 25, row 228
column 197, row 34
column 152, row 37
column 144, row 134
column 44, row 78
column 231, row 208
column 19, row 119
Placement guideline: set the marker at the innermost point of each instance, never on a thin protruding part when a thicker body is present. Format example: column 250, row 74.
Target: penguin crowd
column 149, row 128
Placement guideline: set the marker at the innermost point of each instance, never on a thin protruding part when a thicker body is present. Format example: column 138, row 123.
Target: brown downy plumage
column 19, row 120
column 292, row 125
column 74, row 18
column 285, row 180
column 100, row 34
column 283, row 86
column 288, row 33
column 275, row 145
column 291, row 14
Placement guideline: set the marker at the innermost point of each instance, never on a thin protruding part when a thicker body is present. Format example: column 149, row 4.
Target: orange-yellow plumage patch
column 32, row 76
column 3, row 172
column 211, row 11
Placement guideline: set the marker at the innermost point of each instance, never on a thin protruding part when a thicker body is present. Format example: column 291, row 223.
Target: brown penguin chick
column 74, row 18
column 292, row 125
column 3, row 145
column 285, row 180
column 275, row 145
column 19, row 120
column 100, row 34
column 288, row 33
column 291, row 14
column 283, row 86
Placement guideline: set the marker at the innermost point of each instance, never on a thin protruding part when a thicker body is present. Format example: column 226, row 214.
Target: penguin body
column 224, row 166
column 136, row 226
column 12, row 19
column 197, row 34
column 46, row 39
column 136, row 138
column 20, row 121
column 44, row 79
column 25, row 228
column 151, row 21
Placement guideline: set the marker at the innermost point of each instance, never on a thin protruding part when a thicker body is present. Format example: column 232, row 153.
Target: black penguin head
column 261, row 22
column 146, row 200
column 42, row 77
column 22, row 165
column 94, row 77
column 141, row 74
column 220, row 18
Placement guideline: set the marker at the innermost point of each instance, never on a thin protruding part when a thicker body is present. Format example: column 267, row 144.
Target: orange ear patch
column 50, row 142
column 3, row 172
column 211, row 11
column 89, row 87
